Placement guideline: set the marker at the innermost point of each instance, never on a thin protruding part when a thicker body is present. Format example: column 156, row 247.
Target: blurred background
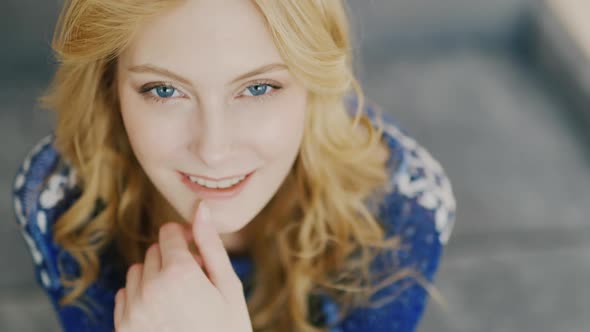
column 497, row 90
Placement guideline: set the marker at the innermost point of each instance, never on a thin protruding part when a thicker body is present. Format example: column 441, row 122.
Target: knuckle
column 180, row 258
column 134, row 271
column 168, row 227
column 178, row 267
column 120, row 295
column 136, row 313
column 135, row 268
column 120, row 326
column 150, row 290
column 153, row 250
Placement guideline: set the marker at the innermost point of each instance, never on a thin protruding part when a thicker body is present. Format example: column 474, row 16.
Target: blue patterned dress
column 419, row 206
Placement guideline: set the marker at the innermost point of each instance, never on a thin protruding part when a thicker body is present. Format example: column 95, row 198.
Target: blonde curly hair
column 323, row 232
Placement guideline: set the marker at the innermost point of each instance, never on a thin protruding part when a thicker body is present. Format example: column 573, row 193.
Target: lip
column 217, row 193
column 212, row 179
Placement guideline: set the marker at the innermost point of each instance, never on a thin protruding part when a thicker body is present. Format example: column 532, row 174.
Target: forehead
column 202, row 36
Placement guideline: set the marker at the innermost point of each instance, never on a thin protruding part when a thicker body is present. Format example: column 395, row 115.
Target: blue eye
column 161, row 93
column 259, row 89
column 164, row 91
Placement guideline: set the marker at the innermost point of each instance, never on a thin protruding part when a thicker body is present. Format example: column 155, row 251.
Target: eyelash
column 145, row 91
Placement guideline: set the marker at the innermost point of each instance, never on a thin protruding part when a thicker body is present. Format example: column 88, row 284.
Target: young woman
column 214, row 168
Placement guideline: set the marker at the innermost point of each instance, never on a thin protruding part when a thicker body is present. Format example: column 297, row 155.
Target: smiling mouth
column 224, row 188
column 217, row 184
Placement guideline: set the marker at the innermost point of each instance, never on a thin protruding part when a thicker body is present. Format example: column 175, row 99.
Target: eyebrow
column 149, row 68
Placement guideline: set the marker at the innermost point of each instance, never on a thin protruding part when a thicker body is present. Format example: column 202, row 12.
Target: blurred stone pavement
column 461, row 76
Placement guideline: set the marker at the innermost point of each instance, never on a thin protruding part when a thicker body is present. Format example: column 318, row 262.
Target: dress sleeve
column 421, row 210
column 43, row 188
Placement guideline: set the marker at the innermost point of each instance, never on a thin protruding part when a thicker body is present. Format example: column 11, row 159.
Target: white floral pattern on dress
column 424, row 179
column 54, row 191
column 41, row 217
column 18, row 183
column 45, row 279
column 27, row 162
column 18, row 209
column 37, row 256
column 42, row 221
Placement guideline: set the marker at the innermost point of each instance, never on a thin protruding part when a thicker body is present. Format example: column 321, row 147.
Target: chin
column 229, row 225
column 224, row 224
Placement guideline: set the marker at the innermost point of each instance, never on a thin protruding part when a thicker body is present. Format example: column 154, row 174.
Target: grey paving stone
column 387, row 28
column 26, row 310
column 560, row 54
column 514, row 161
column 25, row 51
column 507, row 291
column 21, row 126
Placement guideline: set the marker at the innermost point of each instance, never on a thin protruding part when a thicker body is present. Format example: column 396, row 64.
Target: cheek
column 277, row 138
column 280, row 131
column 152, row 136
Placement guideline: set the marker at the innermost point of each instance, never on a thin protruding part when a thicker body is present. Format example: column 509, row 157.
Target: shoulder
column 42, row 183
column 42, row 188
column 418, row 181
column 418, row 192
column 418, row 208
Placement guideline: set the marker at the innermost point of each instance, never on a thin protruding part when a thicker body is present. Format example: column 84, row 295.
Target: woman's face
column 204, row 92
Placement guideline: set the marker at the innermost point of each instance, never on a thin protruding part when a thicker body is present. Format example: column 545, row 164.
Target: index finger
column 173, row 244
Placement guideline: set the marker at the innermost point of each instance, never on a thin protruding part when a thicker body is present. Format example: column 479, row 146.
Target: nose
column 212, row 140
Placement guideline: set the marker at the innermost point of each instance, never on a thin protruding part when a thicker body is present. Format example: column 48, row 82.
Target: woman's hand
column 172, row 292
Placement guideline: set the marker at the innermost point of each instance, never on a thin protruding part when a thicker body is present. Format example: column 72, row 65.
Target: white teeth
column 217, row 184
column 210, row 184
